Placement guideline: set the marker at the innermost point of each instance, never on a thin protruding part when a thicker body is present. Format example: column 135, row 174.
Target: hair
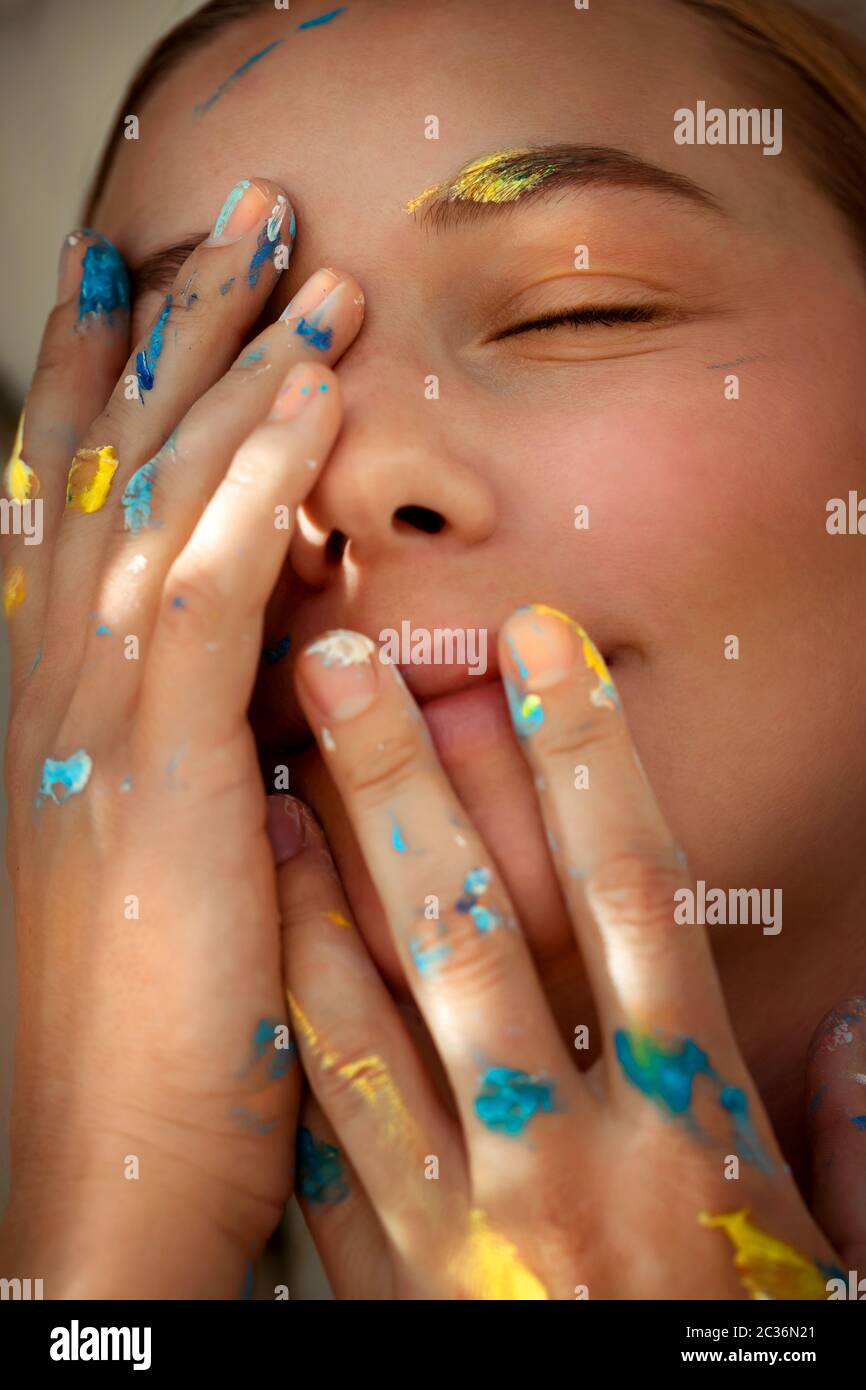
column 818, row 71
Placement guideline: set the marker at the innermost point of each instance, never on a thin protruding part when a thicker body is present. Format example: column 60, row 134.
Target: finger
column 192, row 340
column 355, row 1051
column 448, row 910
column 163, row 500
column 83, row 348
column 205, row 649
column 836, row 1092
column 349, row 1240
column 653, row 979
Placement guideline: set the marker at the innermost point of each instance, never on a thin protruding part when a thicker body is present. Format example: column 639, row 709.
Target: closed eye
column 590, row 317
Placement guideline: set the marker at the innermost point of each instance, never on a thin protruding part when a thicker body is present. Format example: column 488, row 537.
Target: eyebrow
column 494, row 181
column 484, row 186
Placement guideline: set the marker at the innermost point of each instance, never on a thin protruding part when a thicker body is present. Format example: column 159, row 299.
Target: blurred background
column 64, row 66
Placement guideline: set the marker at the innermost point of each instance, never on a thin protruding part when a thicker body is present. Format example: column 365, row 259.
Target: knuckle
column 635, row 889
column 193, row 590
column 386, row 767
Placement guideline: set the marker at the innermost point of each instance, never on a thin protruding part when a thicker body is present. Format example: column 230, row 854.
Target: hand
column 154, row 1097
column 836, row 1107
column 653, row 1175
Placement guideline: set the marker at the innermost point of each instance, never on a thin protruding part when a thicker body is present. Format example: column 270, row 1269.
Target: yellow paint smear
column 479, row 182
column 605, row 693
column 90, row 476
column 13, row 590
column 489, row 1266
column 22, row 483
column 309, row 1034
column 768, row 1267
column 338, row 919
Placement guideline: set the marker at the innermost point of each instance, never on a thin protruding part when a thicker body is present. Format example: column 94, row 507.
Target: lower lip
column 468, row 720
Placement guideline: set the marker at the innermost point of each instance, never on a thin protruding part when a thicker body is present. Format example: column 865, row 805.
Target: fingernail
column 544, row 645
column 242, row 210
column 285, row 826
column 312, row 294
column 301, row 386
column 100, row 275
column 340, row 672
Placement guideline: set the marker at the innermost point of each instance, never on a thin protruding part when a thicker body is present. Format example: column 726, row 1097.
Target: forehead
column 342, row 112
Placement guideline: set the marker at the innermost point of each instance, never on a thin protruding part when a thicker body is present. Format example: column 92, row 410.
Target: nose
column 400, row 477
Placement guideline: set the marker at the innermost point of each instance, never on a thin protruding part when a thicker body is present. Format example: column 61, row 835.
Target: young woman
column 593, row 348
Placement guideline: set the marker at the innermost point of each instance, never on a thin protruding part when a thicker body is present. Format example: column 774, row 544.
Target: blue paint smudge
column 859, row 1121
column 474, row 886
column 832, row 1271
column 666, row 1074
column 126, row 784
column 816, row 1099
column 70, row 774
column 224, row 289
column 233, row 77
column 137, row 499
column 397, row 841
column 319, row 1172
column 317, row 337
column 251, row 1121
column 178, row 602
column 104, row 279
column 146, row 360
column 512, row 646
column 276, row 653
column 228, row 208
column 292, row 227
column 321, row 19
column 103, row 630
column 527, row 713
column 264, row 251
column 264, row 1042
column 37, row 658
column 427, row 958
column 249, row 1284
column 509, row 1099
column 249, row 358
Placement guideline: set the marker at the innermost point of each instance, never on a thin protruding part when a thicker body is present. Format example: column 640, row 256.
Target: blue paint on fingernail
column 518, row 660
column 104, row 279
column 319, row 1175
column 527, row 712
column 64, row 777
column 322, row 18
column 146, row 360
column 317, row 337
column 509, row 1099
column 274, row 654
column 224, row 86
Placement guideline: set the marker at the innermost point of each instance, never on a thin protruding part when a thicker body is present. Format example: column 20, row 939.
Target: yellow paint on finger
column 22, row 483
column 768, row 1267
column 13, row 590
column 370, row 1078
column 309, row 1034
column 488, row 1266
column 338, row 919
column 90, row 476
column 605, row 693
column 481, row 181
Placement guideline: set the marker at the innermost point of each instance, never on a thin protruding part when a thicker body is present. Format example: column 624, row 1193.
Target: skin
column 727, row 747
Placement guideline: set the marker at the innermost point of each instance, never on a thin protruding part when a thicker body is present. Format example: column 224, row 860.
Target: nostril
column 420, row 519
column 334, row 547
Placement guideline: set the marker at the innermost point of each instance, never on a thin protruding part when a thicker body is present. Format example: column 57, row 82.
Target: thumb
column 836, row 1091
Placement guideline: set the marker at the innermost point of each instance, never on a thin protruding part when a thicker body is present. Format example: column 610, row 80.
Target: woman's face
column 706, row 514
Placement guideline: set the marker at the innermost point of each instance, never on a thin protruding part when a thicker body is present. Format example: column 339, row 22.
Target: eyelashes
column 593, row 316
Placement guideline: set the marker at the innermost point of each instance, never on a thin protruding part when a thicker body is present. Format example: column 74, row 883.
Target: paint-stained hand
column 154, row 1088
column 655, row 1174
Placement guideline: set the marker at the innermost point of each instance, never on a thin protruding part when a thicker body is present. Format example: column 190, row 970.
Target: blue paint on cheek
column 233, row 77
column 509, row 1099
column 63, row 778
column 104, row 280
column 319, row 1175
column 146, row 360
column 137, row 499
column 859, row 1122
column 319, row 338
column 322, row 18
column 274, row 654
column 264, row 252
